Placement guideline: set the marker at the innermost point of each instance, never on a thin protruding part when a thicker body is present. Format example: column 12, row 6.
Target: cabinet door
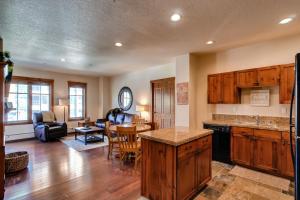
column 266, row 150
column 247, row 78
column 186, row 177
column 287, row 76
column 203, row 167
column 241, row 145
column 268, row 76
column 229, row 89
column 214, row 94
column 287, row 168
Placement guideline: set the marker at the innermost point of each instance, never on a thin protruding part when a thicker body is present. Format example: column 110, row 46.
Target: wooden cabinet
column 266, row 150
column 287, row 77
column 241, row 145
column 193, row 169
column 268, row 76
column 247, row 78
column 260, row 77
column 230, row 93
column 222, row 89
column 287, row 168
column 203, row 170
column 175, row 172
column 186, row 177
column 214, row 89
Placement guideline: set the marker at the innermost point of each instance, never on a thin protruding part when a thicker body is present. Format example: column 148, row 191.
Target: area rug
column 80, row 146
column 261, row 178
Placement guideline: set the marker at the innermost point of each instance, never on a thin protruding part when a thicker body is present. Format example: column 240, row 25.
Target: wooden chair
column 113, row 142
column 128, row 143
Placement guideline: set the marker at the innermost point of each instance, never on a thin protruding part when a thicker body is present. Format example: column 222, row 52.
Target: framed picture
column 182, row 93
column 260, row 97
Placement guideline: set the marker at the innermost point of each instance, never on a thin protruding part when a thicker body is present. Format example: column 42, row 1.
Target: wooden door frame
column 152, row 95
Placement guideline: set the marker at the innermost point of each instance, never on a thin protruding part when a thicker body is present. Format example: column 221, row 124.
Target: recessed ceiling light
column 286, row 20
column 175, row 17
column 210, row 42
column 118, row 44
column 63, row 60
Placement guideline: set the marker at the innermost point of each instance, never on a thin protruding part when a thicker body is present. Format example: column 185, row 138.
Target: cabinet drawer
column 242, row 131
column 188, row 148
column 204, row 143
column 194, row 146
column 268, row 134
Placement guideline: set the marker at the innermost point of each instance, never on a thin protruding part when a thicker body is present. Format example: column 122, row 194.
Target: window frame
column 31, row 81
column 84, row 87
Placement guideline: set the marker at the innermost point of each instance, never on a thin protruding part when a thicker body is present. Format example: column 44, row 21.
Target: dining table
column 139, row 127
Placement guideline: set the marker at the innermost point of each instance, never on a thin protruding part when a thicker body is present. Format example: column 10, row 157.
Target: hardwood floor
column 58, row 172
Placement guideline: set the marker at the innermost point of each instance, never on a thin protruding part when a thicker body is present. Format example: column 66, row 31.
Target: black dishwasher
column 220, row 142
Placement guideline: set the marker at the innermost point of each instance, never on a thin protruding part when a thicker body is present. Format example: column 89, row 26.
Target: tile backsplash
column 264, row 120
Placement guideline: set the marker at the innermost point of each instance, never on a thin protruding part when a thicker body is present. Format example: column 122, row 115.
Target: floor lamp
column 63, row 102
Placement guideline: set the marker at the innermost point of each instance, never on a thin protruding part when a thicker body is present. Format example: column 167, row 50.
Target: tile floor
column 227, row 186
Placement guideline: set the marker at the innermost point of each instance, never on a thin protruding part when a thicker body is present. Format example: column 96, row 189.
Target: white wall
column 182, row 75
column 139, row 83
column 98, row 98
column 272, row 52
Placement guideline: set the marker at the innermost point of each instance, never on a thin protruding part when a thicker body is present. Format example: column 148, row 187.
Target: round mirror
column 125, row 98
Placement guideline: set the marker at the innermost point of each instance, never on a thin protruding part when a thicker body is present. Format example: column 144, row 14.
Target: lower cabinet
column 287, row 168
column 194, row 167
column 175, row 172
column 241, row 146
column 186, row 176
column 203, row 170
column 265, row 150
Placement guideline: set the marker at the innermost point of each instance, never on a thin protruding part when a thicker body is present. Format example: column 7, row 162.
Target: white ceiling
column 38, row 33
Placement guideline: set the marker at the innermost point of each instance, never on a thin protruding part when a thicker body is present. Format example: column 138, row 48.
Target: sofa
column 46, row 128
column 115, row 116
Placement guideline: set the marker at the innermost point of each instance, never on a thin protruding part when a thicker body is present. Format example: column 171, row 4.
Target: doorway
column 163, row 103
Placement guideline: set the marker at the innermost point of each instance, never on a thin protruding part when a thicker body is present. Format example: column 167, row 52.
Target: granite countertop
column 273, row 127
column 175, row 136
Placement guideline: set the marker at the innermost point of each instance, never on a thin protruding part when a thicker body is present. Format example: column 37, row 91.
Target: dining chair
column 128, row 143
column 113, row 143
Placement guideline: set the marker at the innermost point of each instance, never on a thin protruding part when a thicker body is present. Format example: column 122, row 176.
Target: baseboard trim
column 20, row 140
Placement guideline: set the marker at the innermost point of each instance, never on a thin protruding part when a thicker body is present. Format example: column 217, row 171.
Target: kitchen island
column 176, row 163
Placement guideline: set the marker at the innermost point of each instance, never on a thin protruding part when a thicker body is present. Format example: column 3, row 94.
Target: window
column 28, row 95
column 77, row 100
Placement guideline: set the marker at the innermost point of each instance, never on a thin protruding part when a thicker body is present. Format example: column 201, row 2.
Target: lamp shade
column 63, row 102
column 140, row 108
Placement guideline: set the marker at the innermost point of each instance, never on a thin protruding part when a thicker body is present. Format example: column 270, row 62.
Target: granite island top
column 273, row 127
column 175, row 136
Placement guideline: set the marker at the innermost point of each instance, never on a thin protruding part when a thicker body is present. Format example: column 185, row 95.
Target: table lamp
column 140, row 109
column 63, row 102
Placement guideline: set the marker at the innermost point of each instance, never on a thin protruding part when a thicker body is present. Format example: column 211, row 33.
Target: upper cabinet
column 247, row 78
column 222, row 88
column 287, row 77
column 214, row 89
column 230, row 92
column 261, row 77
column 268, row 76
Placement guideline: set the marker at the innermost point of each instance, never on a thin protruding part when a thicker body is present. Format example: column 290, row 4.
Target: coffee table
column 87, row 134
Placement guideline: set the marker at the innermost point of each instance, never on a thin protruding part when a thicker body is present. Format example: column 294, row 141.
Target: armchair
column 48, row 129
